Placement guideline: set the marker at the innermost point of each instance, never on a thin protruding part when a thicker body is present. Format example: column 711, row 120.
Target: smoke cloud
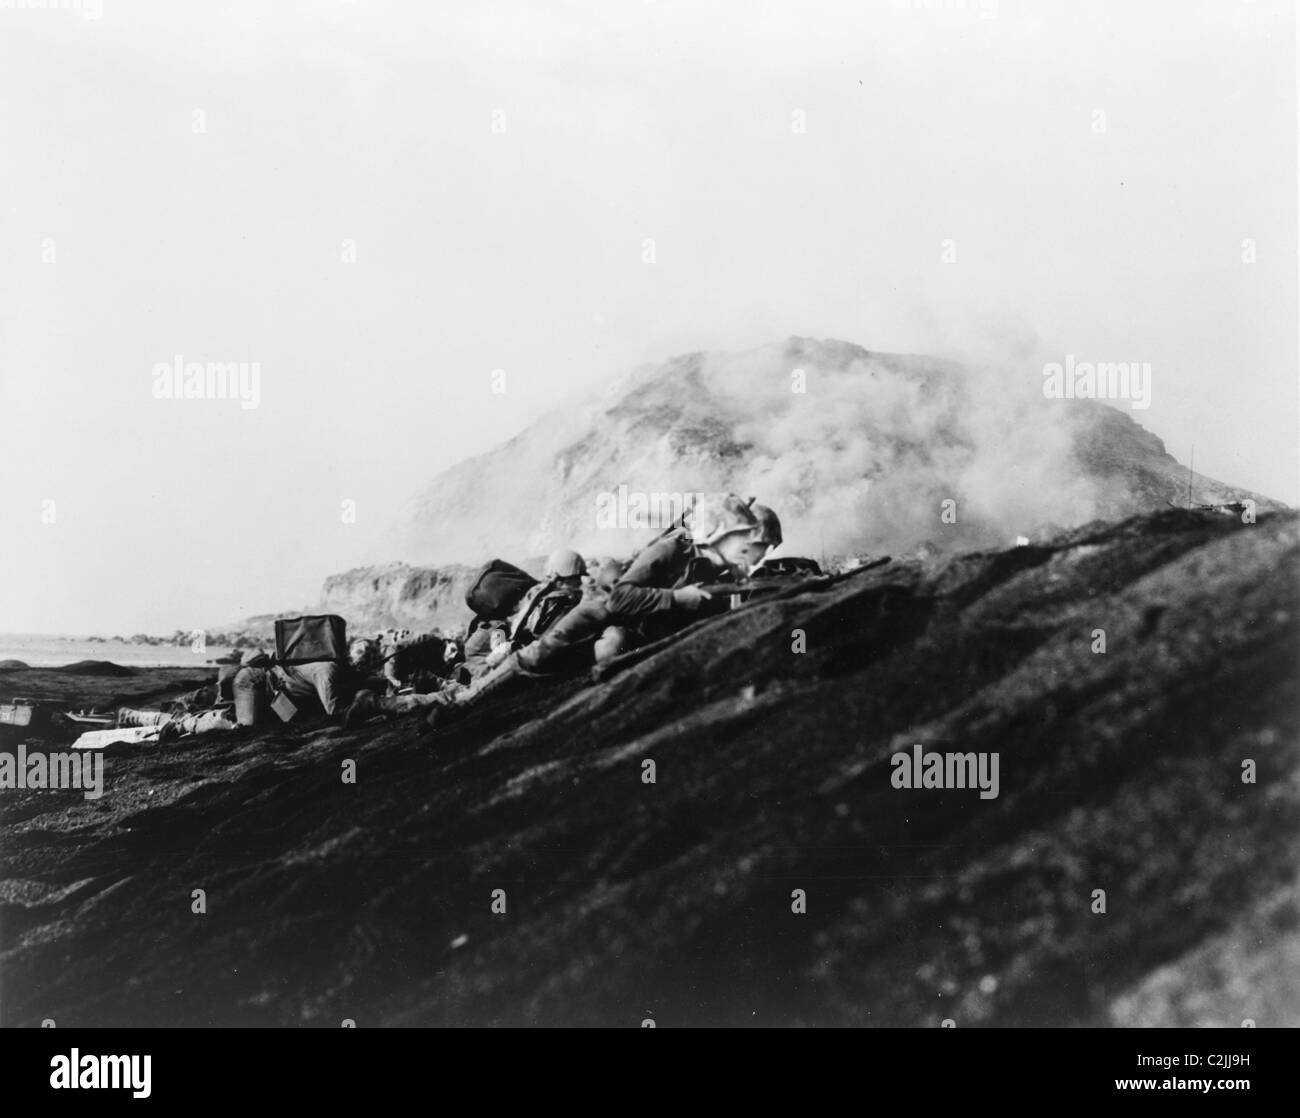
column 857, row 452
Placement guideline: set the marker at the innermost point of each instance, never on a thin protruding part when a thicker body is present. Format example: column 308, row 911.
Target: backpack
column 309, row 640
column 548, row 606
column 497, row 590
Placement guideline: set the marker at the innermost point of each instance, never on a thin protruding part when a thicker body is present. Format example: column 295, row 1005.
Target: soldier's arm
column 644, row 589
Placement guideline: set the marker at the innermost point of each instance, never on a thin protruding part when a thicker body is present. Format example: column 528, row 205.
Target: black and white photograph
column 647, row 514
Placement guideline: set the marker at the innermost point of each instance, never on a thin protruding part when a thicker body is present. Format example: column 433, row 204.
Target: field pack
column 497, row 589
column 310, row 640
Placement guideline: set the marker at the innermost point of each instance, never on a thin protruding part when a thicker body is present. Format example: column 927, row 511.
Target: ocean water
column 40, row 651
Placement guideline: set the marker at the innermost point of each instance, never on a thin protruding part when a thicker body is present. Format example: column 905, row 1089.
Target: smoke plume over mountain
column 857, row 451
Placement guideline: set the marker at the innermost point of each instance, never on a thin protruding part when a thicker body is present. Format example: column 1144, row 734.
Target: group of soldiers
column 721, row 539
column 577, row 616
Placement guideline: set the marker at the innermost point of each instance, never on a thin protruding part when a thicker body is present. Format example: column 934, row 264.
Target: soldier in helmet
column 722, row 539
column 560, row 590
column 565, row 565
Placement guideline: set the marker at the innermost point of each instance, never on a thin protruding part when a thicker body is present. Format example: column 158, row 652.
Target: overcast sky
column 181, row 179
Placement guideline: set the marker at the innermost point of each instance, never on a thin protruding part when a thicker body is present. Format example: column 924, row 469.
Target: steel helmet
column 717, row 515
column 565, row 564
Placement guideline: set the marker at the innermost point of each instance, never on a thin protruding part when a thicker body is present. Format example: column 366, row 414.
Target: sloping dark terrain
column 1119, row 771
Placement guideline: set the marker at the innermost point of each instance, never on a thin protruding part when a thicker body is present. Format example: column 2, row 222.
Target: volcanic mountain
column 857, row 451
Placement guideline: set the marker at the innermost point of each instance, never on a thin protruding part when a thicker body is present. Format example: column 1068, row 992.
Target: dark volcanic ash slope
column 854, row 449
column 1119, row 771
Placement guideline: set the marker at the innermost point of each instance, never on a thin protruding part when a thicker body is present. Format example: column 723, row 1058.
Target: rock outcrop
column 419, row 598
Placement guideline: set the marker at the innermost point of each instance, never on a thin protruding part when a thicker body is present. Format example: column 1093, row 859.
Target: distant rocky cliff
column 394, row 595
column 398, row 595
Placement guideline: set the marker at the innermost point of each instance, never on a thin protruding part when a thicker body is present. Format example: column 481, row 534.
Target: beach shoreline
column 40, row 651
column 89, row 690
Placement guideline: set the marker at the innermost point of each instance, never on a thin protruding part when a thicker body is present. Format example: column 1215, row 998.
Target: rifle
column 740, row 594
column 744, row 591
column 781, row 576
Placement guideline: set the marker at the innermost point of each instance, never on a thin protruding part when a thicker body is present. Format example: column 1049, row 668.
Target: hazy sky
column 181, row 179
